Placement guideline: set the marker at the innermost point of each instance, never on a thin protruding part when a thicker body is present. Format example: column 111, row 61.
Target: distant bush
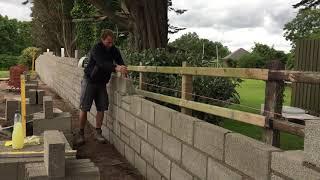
column 6, row 61
column 252, row 60
column 27, row 55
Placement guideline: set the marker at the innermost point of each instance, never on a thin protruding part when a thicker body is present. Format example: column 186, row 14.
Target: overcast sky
column 235, row 23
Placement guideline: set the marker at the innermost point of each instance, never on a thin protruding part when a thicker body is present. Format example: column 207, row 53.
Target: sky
column 235, row 23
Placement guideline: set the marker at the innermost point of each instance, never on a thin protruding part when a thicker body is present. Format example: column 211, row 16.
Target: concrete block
column 130, row 121
column 163, row 117
column 172, row 147
column 125, row 86
column 9, row 170
column 248, row 155
column 147, row 113
column 48, row 107
column 129, row 154
column 40, row 95
column 194, row 161
column 155, row 136
column 179, row 174
column 32, row 96
column 141, row 128
column 54, row 154
column 11, row 107
column 210, row 139
column 182, row 127
column 147, row 152
column 141, row 165
column 290, row 164
column 125, row 106
column 119, row 144
column 30, row 86
column 217, row 171
column 162, row 164
column 135, row 142
column 61, row 122
column 117, row 126
column 135, row 105
column 105, row 132
column 125, row 131
column 312, row 142
column 152, row 174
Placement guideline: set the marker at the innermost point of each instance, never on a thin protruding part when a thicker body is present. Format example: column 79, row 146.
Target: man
column 93, row 86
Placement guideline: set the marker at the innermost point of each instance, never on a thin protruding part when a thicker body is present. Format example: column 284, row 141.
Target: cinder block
column 129, row 154
column 171, row 147
column 155, row 136
column 179, row 174
column 147, row 152
column 119, row 144
column 182, row 127
column 312, row 142
column 61, row 122
column 32, row 96
column 105, row 132
column 11, row 107
column 30, row 86
column 217, row 171
column 116, row 126
column 242, row 152
column 147, row 111
column 9, row 170
column 163, row 117
column 125, row 86
column 152, row 174
column 140, row 164
column 40, row 95
column 162, row 164
column 290, row 164
column 141, row 128
column 54, row 153
column 125, row 131
column 210, row 139
column 275, row 177
column 129, row 121
column 48, row 107
column 194, row 161
column 135, row 142
column 125, row 106
column 135, row 105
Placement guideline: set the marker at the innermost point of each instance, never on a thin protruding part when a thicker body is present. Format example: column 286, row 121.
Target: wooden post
column 186, row 89
column 23, row 103
column 141, row 79
column 273, row 104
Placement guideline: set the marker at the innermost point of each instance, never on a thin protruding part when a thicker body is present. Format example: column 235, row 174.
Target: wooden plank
column 141, row 79
column 309, row 68
column 317, row 91
column 312, row 68
column 295, row 76
column 288, row 127
column 294, row 85
column 246, row 73
column 249, row 118
column 23, row 104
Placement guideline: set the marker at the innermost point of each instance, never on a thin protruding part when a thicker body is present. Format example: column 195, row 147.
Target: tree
column 52, row 25
column 305, row 25
column 268, row 53
column 28, row 55
column 307, row 4
column 191, row 43
column 252, row 60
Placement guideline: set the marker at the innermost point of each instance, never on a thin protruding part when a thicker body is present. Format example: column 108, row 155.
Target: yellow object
column 28, row 141
column 17, row 136
column 23, row 104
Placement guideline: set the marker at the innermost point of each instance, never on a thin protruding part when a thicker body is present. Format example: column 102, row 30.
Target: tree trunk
column 149, row 23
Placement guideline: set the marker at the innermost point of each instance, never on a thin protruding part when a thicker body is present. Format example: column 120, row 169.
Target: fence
column 271, row 119
column 307, row 58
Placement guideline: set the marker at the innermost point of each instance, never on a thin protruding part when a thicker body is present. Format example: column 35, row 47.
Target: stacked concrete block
column 11, row 107
column 54, row 160
column 48, row 107
column 32, row 96
column 312, row 143
column 29, row 87
column 40, row 95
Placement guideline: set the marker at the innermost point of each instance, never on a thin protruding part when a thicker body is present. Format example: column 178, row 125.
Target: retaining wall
column 165, row 144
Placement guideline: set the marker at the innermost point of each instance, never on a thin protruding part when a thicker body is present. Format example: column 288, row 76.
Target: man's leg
column 101, row 101
column 99, row 119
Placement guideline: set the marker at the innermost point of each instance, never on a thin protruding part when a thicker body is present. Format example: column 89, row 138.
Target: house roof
column 236, row 55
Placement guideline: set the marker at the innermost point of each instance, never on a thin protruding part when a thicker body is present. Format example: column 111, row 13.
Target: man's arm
column 118, row 58
column 97, row 55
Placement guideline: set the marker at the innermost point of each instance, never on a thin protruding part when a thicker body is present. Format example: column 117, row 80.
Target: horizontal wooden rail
column 246, row 73
column 246, row 117
column 288, row 127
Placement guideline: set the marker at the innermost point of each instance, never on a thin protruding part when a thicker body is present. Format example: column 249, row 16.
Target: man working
column 93, row 86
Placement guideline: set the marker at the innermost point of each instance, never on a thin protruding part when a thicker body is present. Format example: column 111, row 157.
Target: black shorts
column 96, row 92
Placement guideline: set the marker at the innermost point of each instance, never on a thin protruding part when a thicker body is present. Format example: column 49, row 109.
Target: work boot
column 99, row 137
column 80, row 140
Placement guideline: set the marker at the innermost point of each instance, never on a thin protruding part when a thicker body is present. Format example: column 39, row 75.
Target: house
column 232, row 58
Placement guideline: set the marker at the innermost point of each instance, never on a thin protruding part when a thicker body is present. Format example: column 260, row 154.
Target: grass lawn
column 4, row 74
column 252, row 94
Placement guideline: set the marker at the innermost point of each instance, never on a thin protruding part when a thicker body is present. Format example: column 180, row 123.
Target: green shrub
column 222, row 89
column 6, row 61
column 27, row 55
column 252, row 61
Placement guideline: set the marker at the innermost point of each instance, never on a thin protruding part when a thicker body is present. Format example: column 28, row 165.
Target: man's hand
column 122, row 69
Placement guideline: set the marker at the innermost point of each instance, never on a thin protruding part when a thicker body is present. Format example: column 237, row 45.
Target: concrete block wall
column 164, row 144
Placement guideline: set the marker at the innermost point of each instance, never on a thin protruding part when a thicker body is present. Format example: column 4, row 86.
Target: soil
column 111, row 164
